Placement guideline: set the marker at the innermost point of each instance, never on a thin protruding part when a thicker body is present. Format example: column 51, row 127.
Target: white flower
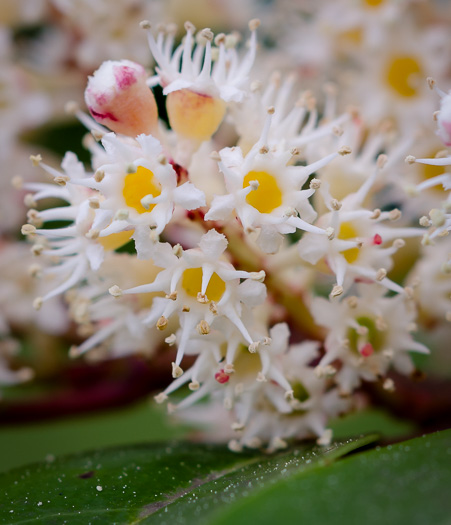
column 117, row 325
column 431, row 281
column 197, row 89
column 440, row 218
column 21, row 280
column 367, row 334
column 359, row 244
column 195, row 70
column 76, row 249
column 388, row 81
column 444, row 115
column 200, row 287
column 105, row 30
column 272, row 392
column 265, row 192
column 8, row 347
column 294, row 124
column 139, row 187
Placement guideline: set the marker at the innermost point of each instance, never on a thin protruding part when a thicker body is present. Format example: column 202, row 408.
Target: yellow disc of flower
column 139, row 184
column 268, row 196
column 192, row 284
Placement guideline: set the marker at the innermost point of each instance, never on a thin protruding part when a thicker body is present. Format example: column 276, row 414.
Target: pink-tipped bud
column 118, row 97
column 444, row 120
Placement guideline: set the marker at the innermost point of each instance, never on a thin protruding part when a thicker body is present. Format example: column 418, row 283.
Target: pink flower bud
column 444, row 120
column 118, row 97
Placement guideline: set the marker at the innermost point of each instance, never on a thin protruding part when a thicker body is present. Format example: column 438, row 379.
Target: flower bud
column 194, row 115
column 118, row 97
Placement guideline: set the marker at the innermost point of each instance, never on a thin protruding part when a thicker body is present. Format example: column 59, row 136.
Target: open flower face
column 139, row 187
column 200, row 287
column 264, row 190
column 362, row 247
column 367, row 334
column 393, row 78
column 358, row 240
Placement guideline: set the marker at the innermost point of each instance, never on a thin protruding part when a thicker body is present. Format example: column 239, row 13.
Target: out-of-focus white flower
column 392, row 76
column 444, row 120
column 443, row 115
column 367, row 334
column 439, row 218
column 15, row 12
column 106, row 30
column 431, row 281
column 295, row 122
column 357, row 247
column 117, row 325
column 21, row 280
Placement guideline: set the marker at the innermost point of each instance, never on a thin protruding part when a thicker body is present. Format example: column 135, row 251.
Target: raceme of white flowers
column 267, row 248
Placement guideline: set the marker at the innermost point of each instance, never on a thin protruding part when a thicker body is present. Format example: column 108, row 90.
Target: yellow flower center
column 373, row 3
column 402, row 74
column 192, row 284
column 373, row 336
column 115, row 240
column 347, row 231
column 300, row 392
column 139, row 184
column 194, row 115
column 248, row 365
column 267, row 196
column 352, row 36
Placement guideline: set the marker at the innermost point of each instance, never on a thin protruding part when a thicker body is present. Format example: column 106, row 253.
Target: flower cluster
column 270, row 237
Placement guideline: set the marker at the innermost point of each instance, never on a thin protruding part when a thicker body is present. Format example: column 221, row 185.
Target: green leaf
column 408, row 483
column 153, row 483
column 23, row 444
column 372, row 420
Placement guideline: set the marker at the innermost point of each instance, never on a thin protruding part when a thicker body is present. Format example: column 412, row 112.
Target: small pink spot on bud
column 367, row 350
column 377, row 239
column 125, row 76
column 221, row 377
